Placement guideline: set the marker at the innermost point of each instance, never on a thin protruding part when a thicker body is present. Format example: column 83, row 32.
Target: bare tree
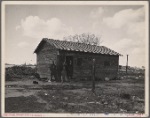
column 86, row 38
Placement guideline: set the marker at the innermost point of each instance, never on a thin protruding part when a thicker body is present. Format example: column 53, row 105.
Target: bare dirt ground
column 115, row 96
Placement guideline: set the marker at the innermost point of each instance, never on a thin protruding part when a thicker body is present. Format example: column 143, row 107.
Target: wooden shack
column 80, row 55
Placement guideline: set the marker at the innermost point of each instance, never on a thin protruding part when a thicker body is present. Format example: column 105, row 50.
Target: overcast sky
column 121, row 28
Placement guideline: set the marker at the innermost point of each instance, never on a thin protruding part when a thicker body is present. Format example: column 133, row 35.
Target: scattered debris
column 137, row 112
column 49, row 80
column 121, row 77
column 107, row 79
column 123, row 110
column 98, row 103
column 136, row 77
column 48, row 106
column 65, row 98
column 105, row 103
column 45, row 94
column 90, row 102
column 8, row 86
column 133, row 98
column 60, row 110
column 140, row 100
column 35, row 82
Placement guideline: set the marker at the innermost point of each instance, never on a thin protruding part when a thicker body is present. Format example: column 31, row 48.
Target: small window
column 106, row 63
column 79, row 61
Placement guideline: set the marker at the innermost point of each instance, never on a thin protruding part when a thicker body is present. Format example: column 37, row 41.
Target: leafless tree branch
column 86, row 38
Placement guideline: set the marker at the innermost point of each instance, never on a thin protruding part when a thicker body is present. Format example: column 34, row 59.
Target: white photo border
column 4, row 3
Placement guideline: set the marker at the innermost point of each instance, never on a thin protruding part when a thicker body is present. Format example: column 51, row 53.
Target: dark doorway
column 60, row 61
column 69, row 66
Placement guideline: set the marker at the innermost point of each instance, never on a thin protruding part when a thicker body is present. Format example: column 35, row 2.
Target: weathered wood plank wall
column 45, row 56
column 85, row 70
column 48, row 53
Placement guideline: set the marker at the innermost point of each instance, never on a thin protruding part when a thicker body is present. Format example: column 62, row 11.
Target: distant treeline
column 25, row 65
column 131, row 70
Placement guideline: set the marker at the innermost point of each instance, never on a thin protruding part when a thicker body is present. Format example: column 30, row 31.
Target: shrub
column 19, row 72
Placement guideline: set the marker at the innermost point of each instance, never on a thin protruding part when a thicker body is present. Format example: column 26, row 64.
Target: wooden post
column 127, row 65
column 93, row 77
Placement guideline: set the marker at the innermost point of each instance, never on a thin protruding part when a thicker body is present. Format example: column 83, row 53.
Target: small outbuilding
column 79, row 56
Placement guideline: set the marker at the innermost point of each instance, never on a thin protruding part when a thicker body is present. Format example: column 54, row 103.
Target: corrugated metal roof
column 80, row 47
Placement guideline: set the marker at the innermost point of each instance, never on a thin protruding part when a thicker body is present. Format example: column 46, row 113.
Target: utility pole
column 127, row 65
column 93, row 77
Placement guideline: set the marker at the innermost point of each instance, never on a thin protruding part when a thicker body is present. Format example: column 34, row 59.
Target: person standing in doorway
column 69, row 70
column 64, row 73
column 53, row 71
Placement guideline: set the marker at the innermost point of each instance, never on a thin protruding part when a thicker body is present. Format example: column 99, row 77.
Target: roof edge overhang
column 46, row 40
column 89, row 52
column 38, row 47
